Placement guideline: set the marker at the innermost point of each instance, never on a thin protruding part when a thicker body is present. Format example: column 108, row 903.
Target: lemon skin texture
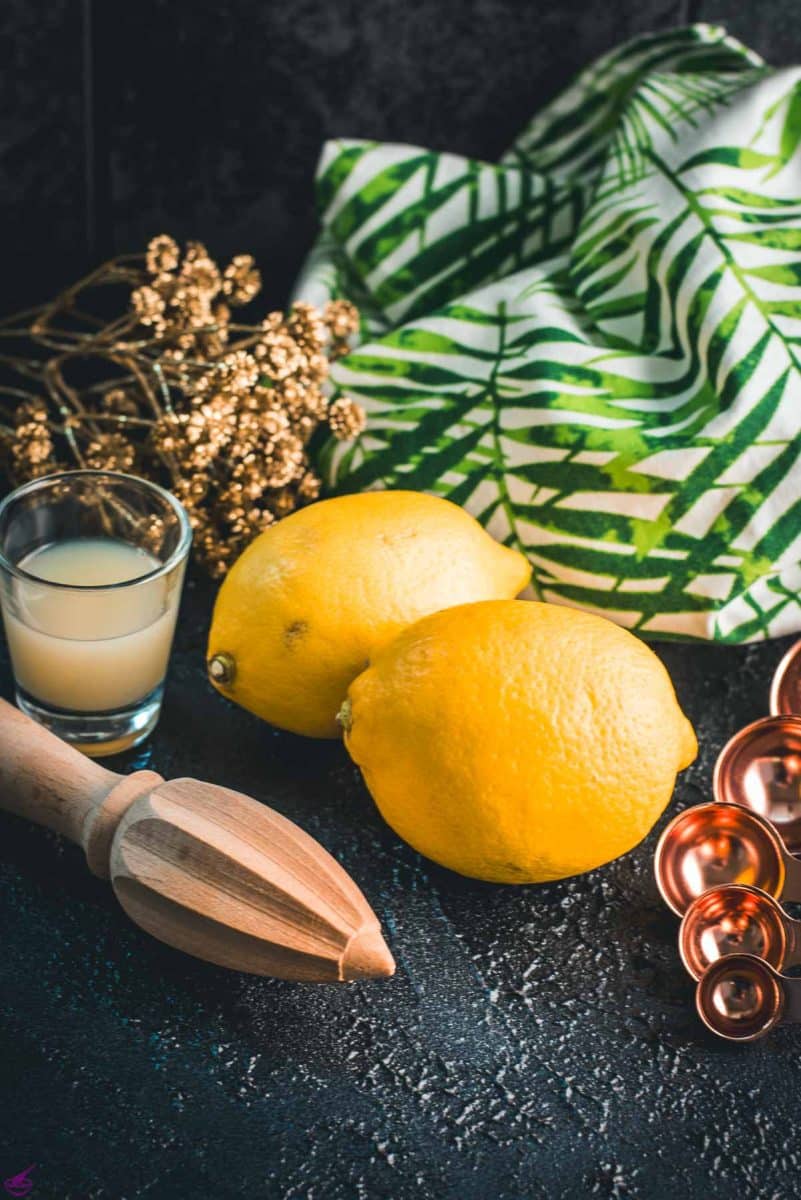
column 315, row 595
column 518, row 742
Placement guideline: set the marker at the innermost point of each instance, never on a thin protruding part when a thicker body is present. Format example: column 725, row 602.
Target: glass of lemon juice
column 91, row 569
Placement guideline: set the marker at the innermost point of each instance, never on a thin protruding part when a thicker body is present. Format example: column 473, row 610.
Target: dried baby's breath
column 220, row 412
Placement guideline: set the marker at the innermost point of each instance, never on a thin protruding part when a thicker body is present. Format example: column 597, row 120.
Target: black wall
column 204, row 118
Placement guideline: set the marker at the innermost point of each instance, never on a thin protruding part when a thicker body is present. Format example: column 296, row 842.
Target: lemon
column 518, row 742
column 302, row 609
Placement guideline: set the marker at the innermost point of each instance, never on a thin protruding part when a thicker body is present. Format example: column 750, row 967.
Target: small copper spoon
column 741, row 998
column 717, row 843
column 760, row 768
column 785, row 691
column 737, row 919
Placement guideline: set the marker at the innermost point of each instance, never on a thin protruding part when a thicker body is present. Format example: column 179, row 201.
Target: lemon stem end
column 345, row 716
column 221, row 669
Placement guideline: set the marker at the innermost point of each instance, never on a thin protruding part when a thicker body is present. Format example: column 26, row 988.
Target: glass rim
column 180, row 552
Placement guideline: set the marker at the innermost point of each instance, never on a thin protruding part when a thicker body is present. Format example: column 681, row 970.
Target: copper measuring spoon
column 741, row 998
column 760, row 768
column 785, row 690
column 738, row 919
column 718, row 843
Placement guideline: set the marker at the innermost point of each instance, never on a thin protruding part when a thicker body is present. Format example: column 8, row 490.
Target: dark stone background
column 536, row 1042
column 204, row 118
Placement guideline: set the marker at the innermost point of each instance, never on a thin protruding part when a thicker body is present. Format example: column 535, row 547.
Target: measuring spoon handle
column 791, row 986
column 46, row 781
column 792, row 933
column 792, row 878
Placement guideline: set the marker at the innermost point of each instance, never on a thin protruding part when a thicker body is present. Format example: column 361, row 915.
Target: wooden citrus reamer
column 201, row 867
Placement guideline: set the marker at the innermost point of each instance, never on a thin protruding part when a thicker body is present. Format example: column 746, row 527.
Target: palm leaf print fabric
column 595, row 345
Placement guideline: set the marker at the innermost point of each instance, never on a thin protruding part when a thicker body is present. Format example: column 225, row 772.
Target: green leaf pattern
column 595, row 345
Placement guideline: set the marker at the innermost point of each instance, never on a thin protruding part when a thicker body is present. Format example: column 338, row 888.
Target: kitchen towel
column 595, row 345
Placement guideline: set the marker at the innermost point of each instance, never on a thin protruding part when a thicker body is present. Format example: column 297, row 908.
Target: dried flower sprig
column 175, row 389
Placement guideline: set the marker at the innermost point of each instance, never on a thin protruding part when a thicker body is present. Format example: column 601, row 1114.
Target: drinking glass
column 91, row 570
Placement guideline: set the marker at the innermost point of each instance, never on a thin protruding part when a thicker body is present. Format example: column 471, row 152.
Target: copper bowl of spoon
column 741, row 998
column 717, row 843
column 737, row 919
column 760, row 768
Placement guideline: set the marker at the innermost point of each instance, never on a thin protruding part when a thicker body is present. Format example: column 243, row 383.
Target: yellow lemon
column 300, row 612
column 518, row 742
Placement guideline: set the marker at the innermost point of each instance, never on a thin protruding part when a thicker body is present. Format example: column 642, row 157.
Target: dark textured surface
column 536, row 1042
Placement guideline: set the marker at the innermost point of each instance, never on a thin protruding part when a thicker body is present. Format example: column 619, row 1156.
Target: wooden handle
column 46, row 781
